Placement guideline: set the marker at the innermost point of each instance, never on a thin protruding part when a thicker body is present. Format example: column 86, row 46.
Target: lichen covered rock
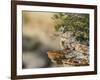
column 73, row 52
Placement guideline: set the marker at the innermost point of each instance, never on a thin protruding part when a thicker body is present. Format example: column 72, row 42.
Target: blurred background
column 38, row 30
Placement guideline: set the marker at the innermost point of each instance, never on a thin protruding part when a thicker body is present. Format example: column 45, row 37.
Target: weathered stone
column 73, row 53
column 56, row 56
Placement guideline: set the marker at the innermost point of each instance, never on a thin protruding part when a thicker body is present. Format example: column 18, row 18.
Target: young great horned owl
column 67, row 39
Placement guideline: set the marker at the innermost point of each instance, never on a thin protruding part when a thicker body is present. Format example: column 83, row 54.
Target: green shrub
column 75, row 22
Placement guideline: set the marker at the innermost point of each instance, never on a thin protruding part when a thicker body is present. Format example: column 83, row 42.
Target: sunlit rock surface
column 74, row 53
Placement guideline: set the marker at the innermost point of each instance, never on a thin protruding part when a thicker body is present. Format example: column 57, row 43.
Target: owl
column 66, row 41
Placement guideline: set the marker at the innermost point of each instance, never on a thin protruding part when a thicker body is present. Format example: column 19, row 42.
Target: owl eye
column 62, row 42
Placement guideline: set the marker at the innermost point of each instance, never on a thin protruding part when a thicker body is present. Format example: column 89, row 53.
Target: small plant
column 77, row 23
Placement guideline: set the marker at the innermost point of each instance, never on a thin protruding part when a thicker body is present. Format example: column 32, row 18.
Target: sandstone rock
column 73, row 53
column 56, row 56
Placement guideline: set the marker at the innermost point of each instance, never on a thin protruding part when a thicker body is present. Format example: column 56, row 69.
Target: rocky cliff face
column 74, row 53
